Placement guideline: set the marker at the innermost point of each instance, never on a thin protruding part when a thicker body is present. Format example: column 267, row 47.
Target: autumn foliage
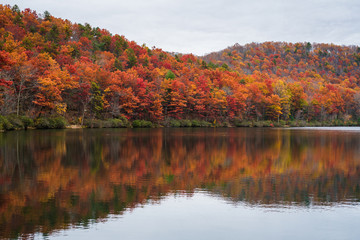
column 50, row 66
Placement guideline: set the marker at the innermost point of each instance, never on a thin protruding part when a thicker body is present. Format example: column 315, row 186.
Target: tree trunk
column 18, row 102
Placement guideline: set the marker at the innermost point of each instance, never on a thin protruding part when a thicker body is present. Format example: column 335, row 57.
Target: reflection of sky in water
column 347, row 129
column 202, row 216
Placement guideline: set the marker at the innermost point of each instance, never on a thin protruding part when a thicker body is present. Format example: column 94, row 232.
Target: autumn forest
column 51, row 67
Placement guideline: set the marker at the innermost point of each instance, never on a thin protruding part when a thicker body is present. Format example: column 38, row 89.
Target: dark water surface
column 180, row 184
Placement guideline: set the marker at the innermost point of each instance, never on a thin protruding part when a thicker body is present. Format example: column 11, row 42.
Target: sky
column 204, row 26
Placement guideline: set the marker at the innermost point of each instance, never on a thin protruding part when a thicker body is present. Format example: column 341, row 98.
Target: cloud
column 202, row 26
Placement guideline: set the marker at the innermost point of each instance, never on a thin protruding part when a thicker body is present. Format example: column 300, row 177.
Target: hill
column 52, row 67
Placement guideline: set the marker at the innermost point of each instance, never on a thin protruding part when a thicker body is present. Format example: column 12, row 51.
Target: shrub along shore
column 13, row 122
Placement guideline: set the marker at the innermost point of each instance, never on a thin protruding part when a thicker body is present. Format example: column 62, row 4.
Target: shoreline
column 13, row 122
column 160, row 126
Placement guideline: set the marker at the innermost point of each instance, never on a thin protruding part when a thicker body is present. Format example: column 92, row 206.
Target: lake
column 233, row 183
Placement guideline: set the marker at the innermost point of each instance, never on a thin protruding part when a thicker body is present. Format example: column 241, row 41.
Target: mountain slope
column 279, row 59
column 50, row 67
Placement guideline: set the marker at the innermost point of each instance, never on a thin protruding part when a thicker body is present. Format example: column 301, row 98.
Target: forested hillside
column 52, row 67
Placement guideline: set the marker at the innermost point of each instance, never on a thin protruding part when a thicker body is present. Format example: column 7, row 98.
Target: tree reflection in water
column 51, row 180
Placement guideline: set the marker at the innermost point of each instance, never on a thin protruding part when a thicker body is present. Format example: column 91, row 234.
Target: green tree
column 131, row 57
column 170, row 75
column 97, row 101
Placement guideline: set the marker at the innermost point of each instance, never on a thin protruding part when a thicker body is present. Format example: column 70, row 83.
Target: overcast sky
column 203, row 26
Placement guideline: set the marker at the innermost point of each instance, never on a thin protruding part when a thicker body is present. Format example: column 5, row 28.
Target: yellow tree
column 280, row 89
column 273, row 109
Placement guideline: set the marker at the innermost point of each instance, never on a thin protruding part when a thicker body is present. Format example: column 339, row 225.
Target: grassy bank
column 13, row 122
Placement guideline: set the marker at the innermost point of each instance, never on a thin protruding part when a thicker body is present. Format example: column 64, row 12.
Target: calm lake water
column 180, row 184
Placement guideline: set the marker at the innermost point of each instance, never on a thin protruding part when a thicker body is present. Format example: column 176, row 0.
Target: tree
column 273, row 110
column 170, row 75
column 97, row 100
column 131, row 57
column 47, row 15
column 20, row 72
column 281, row 90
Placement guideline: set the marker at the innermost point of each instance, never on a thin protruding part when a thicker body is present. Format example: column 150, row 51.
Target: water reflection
column 51, row 180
